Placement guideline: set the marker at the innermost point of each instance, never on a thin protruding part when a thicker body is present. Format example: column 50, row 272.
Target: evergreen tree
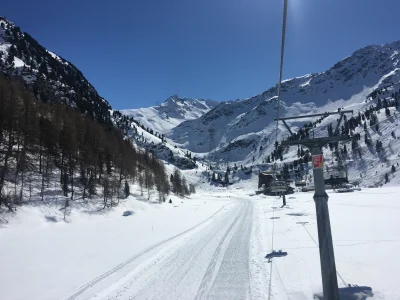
column 185, row 187
column 43, row 68
column 177, row 187
column 379, row 104
column 378, row 146
column 91, row 186
column 126, row 189
column 148, row 181
column 141, row 183
column 192, row 189
column 367, row 141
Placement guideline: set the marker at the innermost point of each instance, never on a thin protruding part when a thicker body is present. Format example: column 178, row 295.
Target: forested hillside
column 44, row 143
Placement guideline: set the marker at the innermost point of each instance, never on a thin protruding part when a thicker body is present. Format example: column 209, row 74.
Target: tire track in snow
column 230, row 280
column 89, row 285
column 210, row 272
column 182, row 267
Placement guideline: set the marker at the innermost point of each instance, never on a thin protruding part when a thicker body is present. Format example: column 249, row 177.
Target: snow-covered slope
column 245, row 125
column 171, row 112
column 161, row 148
column 245, row 131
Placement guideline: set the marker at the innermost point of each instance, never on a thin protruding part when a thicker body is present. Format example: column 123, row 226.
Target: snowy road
column 211, row 264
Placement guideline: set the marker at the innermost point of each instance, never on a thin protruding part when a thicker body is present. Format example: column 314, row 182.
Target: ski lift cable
column 285, row 4
column 281, row 281
column 279, row 89
column 272, row 247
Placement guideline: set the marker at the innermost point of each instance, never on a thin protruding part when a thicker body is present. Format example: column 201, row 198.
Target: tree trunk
column 4, row 170
column 65, row 207
column 62, row 169
column 71, row 175
column 84, row 189
column 30, row 187
column 105, row 200
column 40, row 153
column 47, row 170
column 22, row 185
column 42, row 188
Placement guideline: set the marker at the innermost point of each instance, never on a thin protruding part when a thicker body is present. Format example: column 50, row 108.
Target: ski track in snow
column 81, row 292
column 231, row 279
column 213, row 263
column 223, row 256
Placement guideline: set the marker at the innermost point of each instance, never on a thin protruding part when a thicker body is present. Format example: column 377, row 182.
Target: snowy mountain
column 50, row 77
column 245, row 131
column 246, row 125
column 171, row 112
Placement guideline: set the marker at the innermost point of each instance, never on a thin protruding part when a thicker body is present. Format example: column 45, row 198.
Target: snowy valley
column 97, row 203
column 209, row 246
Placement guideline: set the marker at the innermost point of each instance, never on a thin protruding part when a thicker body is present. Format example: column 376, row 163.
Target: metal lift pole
column 326, row 252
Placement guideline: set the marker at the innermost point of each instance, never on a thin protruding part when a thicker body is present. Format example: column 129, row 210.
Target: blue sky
column 139, row 52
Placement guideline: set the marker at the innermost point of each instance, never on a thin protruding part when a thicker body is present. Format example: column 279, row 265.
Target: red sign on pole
column 317, row 161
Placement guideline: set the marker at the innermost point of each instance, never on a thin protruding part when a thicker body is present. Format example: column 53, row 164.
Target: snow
column 4, row 47
column 345, row 84
column 55, row 56
column 142, row 138
column 362, row 227
column 172, row 112
column 149, row 117
column 211, row 246
column 18, row 63
column 55, row 258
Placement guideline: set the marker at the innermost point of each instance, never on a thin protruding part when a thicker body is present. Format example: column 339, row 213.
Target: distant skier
column 170, row 201
column 386, row 178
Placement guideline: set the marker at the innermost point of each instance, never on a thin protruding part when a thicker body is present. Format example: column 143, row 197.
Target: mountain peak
column 173, row 98
column 173, row 111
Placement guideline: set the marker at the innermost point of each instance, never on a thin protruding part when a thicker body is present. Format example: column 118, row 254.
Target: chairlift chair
column 336, row 176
